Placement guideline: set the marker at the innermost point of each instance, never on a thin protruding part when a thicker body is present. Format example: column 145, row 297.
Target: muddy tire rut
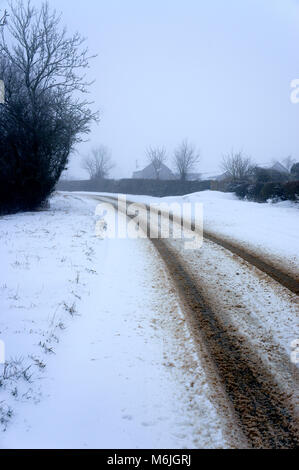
column 263, row 411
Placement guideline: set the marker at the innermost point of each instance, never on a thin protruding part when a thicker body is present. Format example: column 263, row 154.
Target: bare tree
column 99, row 163
column 157, row 157
column 48, row 59
column 237, row 166
column 185, row 159
column 289, row 162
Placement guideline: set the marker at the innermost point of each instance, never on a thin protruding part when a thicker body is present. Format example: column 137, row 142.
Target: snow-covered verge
column 271, row 230
column 46, row 265
column 97, row 350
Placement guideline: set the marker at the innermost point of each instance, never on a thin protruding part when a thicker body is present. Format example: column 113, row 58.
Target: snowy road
column 139, row 343
column 124, row 372
column 248, row 337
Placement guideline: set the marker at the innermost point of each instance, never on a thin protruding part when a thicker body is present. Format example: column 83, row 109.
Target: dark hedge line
column 157, row 188
column 261, row 192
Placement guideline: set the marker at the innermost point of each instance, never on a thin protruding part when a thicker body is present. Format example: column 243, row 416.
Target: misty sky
column 216, row 71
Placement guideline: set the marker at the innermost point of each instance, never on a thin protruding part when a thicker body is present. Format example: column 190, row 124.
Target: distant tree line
column 240, row 175
column 43, row 115
column 99, row 164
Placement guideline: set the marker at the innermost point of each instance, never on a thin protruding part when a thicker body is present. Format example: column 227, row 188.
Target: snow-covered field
column 97, row 350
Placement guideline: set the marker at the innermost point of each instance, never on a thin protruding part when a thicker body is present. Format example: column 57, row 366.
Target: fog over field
column 216, row 72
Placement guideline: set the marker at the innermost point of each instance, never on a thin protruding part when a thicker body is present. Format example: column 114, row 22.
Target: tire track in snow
column 278, row 275
column 269, row 268
column 264, row 412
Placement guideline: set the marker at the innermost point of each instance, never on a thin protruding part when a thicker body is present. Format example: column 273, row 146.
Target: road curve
column 264, row 412
column 278, row 273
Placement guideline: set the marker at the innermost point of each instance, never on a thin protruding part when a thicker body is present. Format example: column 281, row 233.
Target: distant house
column 223, row 177
column 149, row 173
column 277, row 166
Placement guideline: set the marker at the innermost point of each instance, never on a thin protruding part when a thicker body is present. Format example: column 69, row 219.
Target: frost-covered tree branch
column 47, row 57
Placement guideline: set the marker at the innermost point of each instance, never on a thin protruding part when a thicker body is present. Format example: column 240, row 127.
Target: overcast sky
column 216, row 71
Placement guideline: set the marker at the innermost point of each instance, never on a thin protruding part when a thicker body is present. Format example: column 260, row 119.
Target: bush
column 241, row 190
column 271, row 191
column 264, row 175
column 261, row 192
column 291, row 191
column 254, row 191
column 34, row 146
